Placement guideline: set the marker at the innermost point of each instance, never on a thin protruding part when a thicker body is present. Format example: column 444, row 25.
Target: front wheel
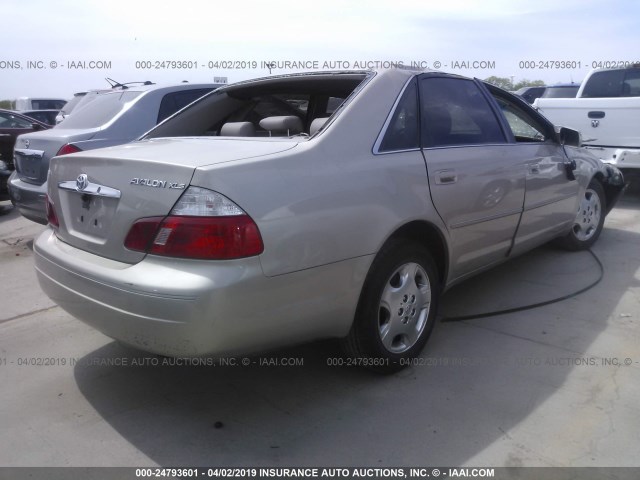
column 397, row 308
column 589, row 220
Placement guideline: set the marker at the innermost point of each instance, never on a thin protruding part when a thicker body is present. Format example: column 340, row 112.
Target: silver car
column 299, row 207
column 112, row 118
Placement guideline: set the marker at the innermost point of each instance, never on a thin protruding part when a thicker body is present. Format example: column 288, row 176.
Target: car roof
column 400, row 71
column 160, row 88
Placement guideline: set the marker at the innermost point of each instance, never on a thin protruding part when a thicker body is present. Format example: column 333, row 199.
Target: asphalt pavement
column 551, row 386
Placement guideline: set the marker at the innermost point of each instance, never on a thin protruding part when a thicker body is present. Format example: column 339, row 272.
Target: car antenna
column 115, row 84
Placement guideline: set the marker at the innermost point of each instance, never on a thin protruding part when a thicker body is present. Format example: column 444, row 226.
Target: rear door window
column 456, row 112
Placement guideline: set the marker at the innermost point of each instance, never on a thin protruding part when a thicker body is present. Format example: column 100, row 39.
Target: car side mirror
column 36, row 126
column 569, row 137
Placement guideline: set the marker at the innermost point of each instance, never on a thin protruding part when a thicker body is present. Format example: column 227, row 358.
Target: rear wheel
column 589, row 220
column 397, row 308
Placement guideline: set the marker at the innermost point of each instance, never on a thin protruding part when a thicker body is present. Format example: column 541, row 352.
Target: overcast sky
column 121, row 33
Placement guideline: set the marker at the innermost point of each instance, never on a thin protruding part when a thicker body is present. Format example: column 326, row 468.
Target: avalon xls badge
column 147, row 182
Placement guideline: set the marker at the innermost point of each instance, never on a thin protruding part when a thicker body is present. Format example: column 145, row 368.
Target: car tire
column 397, row 308
column 589, row 221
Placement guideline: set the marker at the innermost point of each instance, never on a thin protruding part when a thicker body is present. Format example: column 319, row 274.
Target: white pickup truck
column 606, row 111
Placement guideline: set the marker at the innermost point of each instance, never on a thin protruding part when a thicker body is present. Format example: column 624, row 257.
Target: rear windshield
column 71, row 104
column 84, row 100
column 613, row 83
column 99, row 111
column 307, row 97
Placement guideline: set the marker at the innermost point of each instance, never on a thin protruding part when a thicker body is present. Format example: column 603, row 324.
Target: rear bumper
column 614, row 185
column 29, row 198
column 190, row 308
column 623, row 158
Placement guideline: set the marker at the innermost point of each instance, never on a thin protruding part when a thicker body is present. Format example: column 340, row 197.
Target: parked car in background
column 561, row 90
column 112, row 118
column 44, row 116
column 607, row 112
column 299, row 207
column 530, row 93
column 12, row 124
column 80, row 99
column 31, row 103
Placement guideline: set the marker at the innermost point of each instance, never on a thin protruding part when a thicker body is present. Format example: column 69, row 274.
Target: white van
column 32, row 103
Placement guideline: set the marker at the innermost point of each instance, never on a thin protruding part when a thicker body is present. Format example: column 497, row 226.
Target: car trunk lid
column 33, row 151
column 98, row 195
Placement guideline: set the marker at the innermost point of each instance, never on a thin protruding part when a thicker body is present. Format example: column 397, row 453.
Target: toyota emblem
column 82, row 182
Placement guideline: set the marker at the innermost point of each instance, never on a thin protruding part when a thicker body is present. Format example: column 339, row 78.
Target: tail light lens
column 67, row 148
column 141, row 233
column 202, row 225
column 52, row 218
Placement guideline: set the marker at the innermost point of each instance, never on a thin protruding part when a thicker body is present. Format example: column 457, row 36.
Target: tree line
column 507, row 83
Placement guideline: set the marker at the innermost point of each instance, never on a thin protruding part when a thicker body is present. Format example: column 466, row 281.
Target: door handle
column 596, row 114
column 445, row 177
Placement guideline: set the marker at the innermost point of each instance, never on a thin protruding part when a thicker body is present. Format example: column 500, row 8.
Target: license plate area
column 88, row 216
column 28, row 163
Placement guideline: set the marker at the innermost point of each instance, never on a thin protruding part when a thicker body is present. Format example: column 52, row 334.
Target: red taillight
column 67, row 148
column 141, row 233
column 52, row 218
column 210, row 238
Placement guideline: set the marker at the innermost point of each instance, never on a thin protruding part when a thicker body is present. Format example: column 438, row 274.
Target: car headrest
column 317, row 124
column 238, row 129
column 288, row 123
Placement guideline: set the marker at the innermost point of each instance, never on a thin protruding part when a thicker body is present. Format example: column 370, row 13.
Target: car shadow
column 631, row 197
column 473, row 383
